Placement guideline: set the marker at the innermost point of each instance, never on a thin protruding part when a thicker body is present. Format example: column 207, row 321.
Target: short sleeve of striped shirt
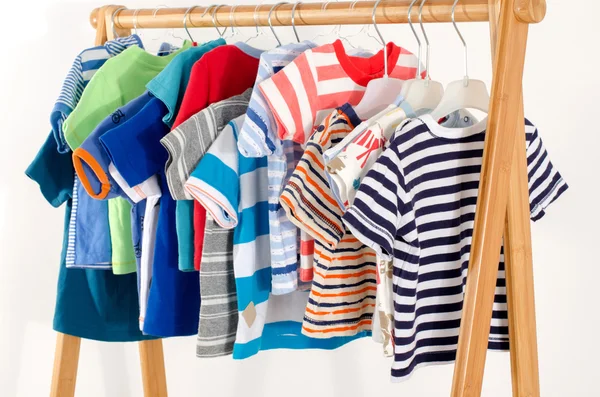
column 291, row 94
column 258, row 135
column 215, row 181
column 381, row 206
column 307, row 198
column 545, row 182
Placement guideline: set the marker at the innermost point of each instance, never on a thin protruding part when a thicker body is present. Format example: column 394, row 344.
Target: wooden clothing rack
column 502, row 204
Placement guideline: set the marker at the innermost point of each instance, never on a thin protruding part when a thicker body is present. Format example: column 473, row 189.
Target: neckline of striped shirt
column 303, row 93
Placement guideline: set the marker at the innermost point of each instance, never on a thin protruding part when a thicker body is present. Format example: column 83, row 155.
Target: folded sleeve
column 215, row 181
column 308, row 201
column 134, row 147
column 53, row 171
column 381, row 207
column 545, row 182
column 291, row 97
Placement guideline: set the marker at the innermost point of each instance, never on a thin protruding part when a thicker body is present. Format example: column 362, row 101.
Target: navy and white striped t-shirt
column 417, row 207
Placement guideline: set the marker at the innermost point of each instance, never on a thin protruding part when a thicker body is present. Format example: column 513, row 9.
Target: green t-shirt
column 120, row 80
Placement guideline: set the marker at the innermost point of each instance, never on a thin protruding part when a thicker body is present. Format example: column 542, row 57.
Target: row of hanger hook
column 337, row 28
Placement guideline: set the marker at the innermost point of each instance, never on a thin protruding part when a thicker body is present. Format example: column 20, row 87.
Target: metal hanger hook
column 269, row 19
column 374, row 19
column 416, row 37
column 157, row 9
column 213, row 17
column 232, row 19
column 214, row 20
column 135, row 20
column 186, row 17
column 296, row 4
column 427, row 48
column 112, row 20
column 466, row 77
column 256, row 18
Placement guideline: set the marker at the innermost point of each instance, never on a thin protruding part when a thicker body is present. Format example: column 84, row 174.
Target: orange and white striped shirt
column 342, row 297
column 323, row 78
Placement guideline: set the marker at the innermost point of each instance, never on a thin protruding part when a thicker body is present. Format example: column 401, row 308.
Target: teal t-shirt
column 169, row 86
column 90, row 304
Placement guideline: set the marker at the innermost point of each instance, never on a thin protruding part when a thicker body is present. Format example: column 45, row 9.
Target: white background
column 562, row 93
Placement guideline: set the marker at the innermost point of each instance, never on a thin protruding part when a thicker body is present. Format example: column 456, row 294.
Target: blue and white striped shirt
column 416, row 206
column 258, row 138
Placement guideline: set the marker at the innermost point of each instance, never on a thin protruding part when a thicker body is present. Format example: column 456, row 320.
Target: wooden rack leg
column 491, row 203
column 518, row 260
column 153, row 368
column 66, row 360
column 519, row 276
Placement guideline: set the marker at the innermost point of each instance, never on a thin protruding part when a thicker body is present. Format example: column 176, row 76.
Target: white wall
column 562, row 85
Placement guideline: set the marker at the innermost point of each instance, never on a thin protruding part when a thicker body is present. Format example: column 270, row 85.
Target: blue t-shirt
column 169, row 86
column 90, row 304
column 90, row 159
column 136, row 152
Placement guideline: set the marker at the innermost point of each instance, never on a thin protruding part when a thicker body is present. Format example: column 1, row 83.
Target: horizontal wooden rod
column 333, row 13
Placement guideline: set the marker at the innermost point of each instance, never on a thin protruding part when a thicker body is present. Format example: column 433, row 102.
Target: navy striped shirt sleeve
column 545, row 182
column 374, row 217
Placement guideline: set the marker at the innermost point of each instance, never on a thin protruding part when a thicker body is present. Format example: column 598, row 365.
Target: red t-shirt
column 220, row 74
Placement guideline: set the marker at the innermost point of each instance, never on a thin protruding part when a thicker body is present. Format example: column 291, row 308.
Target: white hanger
column 422, row 93
column 465, row 93
column 379, row 92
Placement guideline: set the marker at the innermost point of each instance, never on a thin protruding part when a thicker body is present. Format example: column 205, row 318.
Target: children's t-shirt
column 91, row 160
column 91, row 164
column 170, row 86
column 303, row 93
column 90, row 304
column 416, row 206
column 85, row 65
column 342, row 297
column 346, row 164
column 187, row 144
column 233, row 189
column 135, row 150
column 258, row 138
column 119, row 81
column 89, row 243
column 222, row 73
column 316, row 82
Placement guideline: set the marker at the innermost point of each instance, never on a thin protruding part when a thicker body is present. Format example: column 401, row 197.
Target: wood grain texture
column 518, row 262
column 66, row 361
column 519, row 275
column 153, row 368
column 306, row 14
column 530, row 11
column 491, row 203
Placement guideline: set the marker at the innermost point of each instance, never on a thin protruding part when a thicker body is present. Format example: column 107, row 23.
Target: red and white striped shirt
column 303, row 93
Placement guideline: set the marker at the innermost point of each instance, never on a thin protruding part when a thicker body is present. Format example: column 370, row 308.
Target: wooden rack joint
column 502, row 203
